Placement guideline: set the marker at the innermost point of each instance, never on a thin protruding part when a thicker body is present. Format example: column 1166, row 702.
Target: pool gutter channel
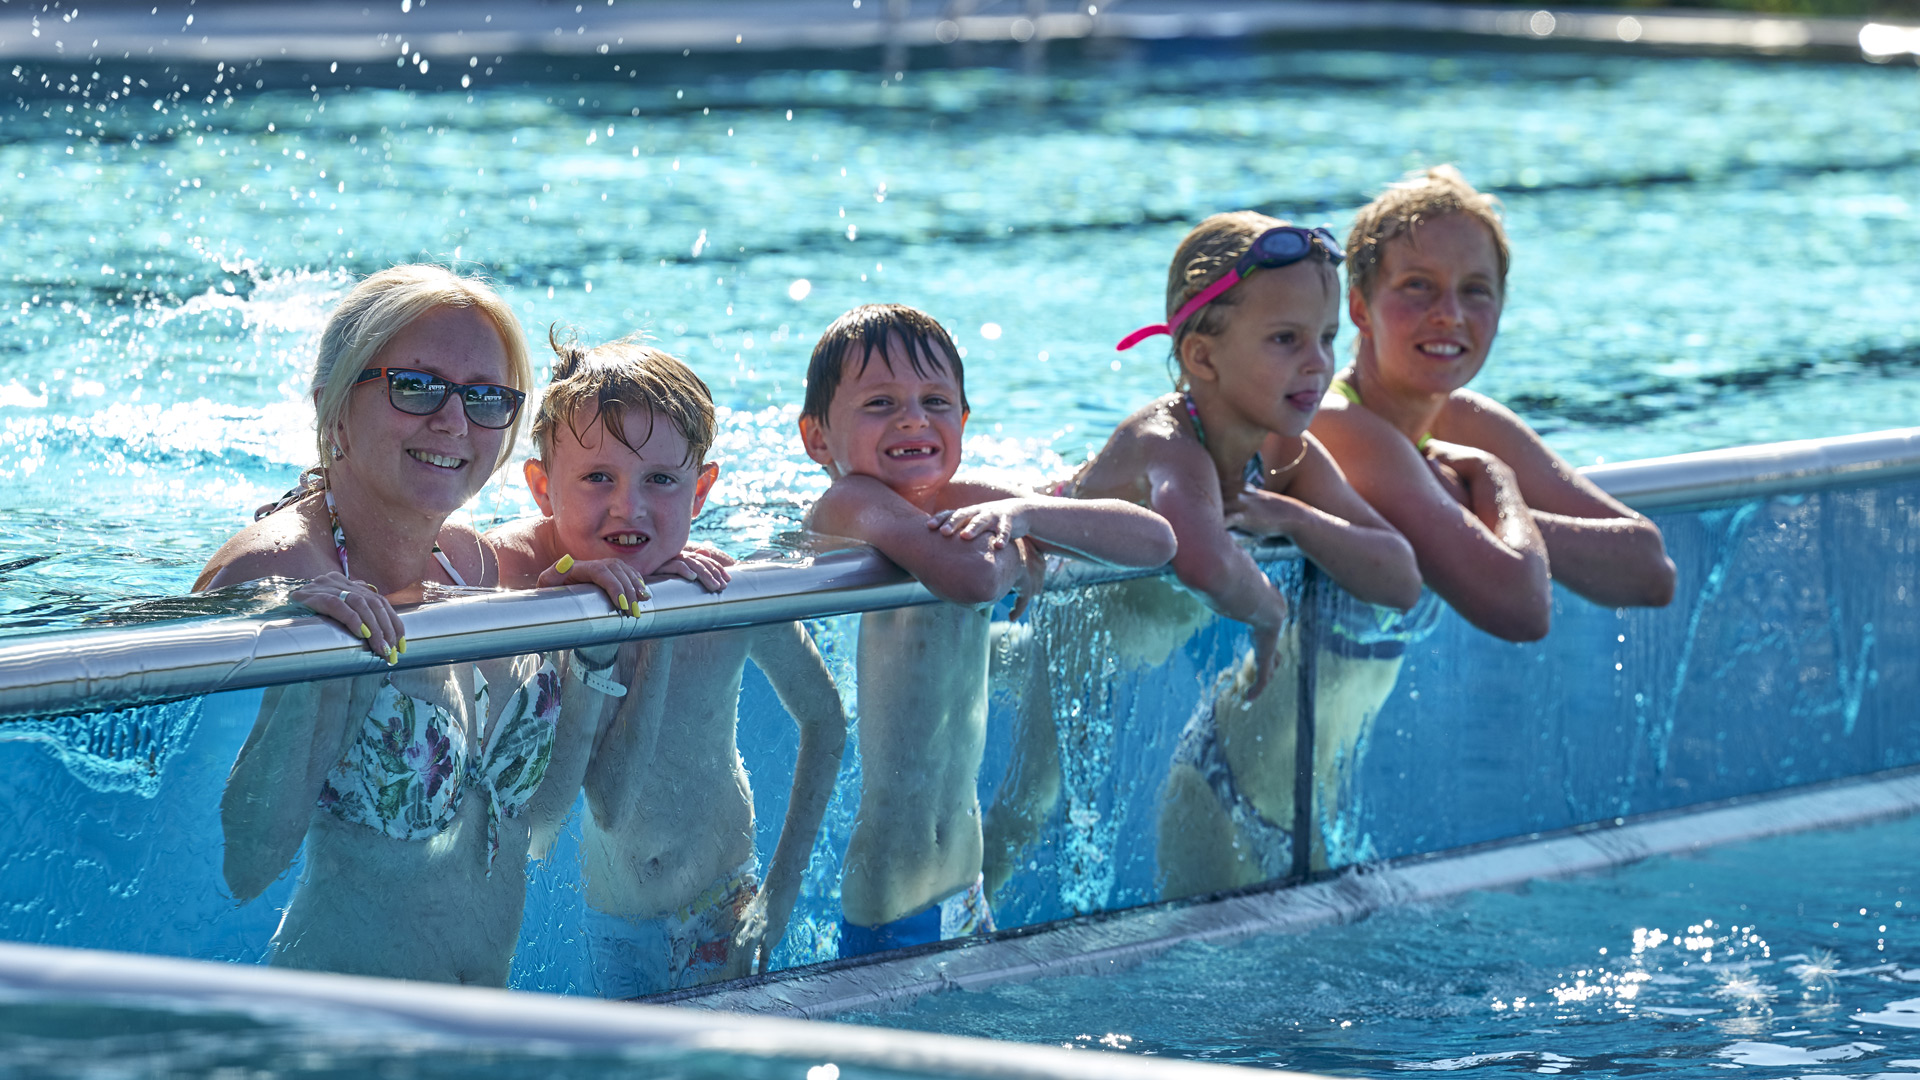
column 88, row 670
column 1104, row 943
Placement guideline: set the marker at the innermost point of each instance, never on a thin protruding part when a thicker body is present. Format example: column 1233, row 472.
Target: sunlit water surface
column 1710, row 252
column 1792, row 956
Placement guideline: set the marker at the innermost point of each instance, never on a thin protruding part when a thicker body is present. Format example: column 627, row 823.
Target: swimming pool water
column 1791, row 956
column 1709, row 252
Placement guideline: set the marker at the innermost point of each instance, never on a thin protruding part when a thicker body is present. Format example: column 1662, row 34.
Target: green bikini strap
column 1352, row 393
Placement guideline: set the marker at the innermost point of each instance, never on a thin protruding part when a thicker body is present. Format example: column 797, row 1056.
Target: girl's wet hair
column 863, row 333
column 1205, row 256
column 601, row 385
column 1401, row 209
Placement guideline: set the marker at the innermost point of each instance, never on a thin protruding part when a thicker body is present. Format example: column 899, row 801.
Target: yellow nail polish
column 565, row 564
column 622, row 601
column 364, row 631
column 403, row 646
column 393, row 656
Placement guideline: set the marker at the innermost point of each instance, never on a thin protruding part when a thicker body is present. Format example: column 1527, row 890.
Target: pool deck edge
column 1097, row 946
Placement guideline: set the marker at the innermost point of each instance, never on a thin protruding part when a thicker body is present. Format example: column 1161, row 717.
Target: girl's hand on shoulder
column 1262, row 513
column 359, row 609
column 1002, row 522
column 1033, row 578
column 622, row 584
column 702, row 564
column 1456, row 467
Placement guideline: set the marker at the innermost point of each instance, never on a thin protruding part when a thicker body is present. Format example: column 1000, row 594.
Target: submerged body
column 448, row 846
column 927, row 667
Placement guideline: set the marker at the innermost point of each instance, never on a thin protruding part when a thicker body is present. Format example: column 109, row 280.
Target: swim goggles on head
column 1277, row 247
column 422, row 393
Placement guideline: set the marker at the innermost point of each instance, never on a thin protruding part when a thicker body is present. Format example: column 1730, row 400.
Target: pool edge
column 1100, row 944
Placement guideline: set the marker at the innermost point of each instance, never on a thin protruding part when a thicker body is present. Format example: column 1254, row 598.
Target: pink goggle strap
column 1186, row 312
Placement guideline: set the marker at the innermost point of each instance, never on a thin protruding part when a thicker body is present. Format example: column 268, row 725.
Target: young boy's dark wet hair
column 862, row 334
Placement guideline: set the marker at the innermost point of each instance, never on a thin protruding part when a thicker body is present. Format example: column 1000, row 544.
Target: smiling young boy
column 672, row 887
column 884, row 412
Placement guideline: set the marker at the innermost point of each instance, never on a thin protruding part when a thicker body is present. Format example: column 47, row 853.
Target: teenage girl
column 1494, row 515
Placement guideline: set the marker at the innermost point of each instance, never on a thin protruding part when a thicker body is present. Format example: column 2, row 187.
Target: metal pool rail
column 96, row 669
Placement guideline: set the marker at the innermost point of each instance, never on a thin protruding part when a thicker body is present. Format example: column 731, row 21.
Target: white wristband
column 594, row 679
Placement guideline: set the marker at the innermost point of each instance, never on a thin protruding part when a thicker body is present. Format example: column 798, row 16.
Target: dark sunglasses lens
column 415, row 392
column 491, row 406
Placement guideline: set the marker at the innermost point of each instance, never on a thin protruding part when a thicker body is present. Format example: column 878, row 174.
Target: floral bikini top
column 406, row 770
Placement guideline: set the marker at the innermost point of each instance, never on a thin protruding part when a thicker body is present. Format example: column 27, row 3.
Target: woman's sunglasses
column 421, row 393
column 1277, row 247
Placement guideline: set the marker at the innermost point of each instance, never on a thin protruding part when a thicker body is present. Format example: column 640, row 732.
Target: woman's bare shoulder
column 473, row 556
column 282, row 544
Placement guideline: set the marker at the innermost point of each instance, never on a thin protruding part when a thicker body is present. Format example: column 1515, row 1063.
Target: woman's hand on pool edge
column 622, row 583
column 359, row 609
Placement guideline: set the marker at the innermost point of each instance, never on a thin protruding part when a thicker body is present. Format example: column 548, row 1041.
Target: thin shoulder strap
column 447, row 565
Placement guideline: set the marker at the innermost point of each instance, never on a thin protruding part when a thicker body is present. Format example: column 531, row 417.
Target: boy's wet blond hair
column 1401, row 209
column 1204, row 257
column 600, row 385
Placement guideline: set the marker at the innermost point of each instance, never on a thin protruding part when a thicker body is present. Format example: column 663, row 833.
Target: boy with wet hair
column 673, row 890
column 884, row 413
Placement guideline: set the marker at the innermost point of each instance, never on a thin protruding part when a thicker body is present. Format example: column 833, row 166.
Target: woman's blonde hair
column 382, row 306
column 1402, row 208
column 614, row 379
column 1204, row 257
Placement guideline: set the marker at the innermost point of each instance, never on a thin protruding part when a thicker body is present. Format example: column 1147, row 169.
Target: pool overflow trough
column 64, row 673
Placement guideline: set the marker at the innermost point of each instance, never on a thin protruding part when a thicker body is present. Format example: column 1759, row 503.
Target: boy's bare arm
column 970, row 573
column 1106, row 531
column 623, row 746
column 786, row 654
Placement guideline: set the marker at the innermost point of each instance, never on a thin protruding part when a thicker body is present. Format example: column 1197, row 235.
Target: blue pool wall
column 1787, row 657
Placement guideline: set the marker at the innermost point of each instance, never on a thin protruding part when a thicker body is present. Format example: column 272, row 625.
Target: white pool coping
column 1101, row 944
column 491, row 1017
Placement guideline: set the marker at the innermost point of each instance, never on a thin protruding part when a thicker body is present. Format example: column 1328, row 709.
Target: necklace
column 1255, row 471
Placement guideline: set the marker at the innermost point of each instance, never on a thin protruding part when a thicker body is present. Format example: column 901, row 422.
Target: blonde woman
column 417, row 793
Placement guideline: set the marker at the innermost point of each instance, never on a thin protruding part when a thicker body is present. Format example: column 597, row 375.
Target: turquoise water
column 1792, row 956
column 1710, row 252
